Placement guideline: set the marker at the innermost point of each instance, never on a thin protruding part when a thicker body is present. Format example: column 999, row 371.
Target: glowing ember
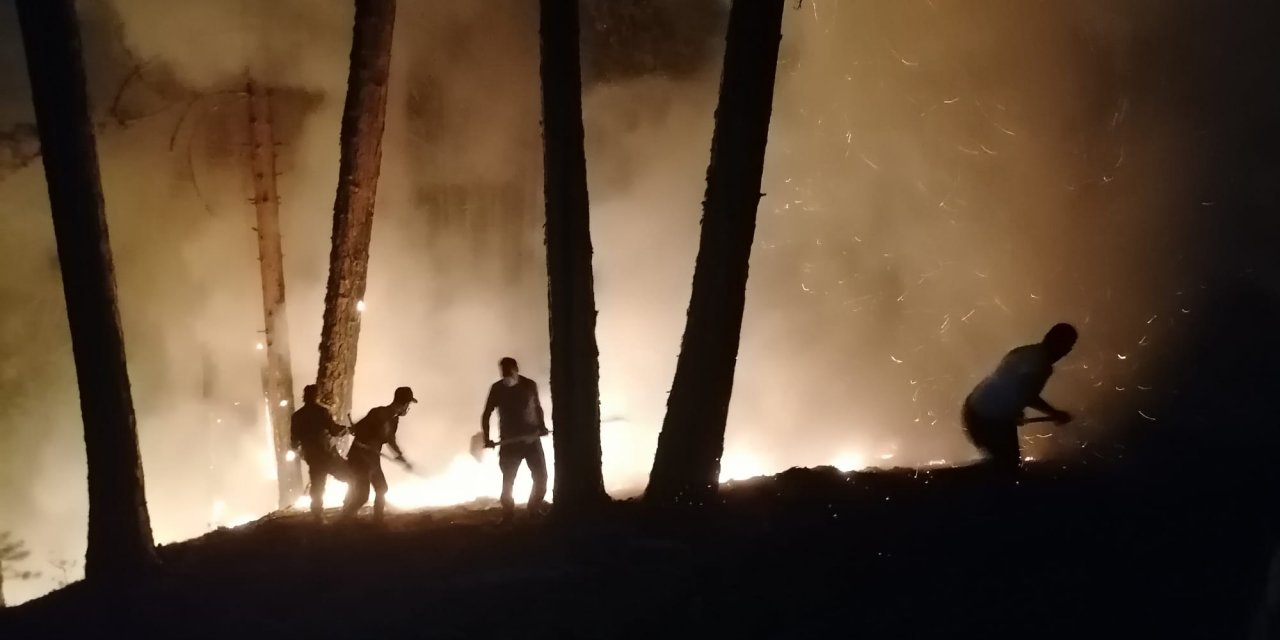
column 290, row 456
column 360, row 306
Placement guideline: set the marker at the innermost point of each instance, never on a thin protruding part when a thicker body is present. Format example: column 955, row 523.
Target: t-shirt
column 311, row 428
column 519, row 410
column 377, row 428
column 1016, row 382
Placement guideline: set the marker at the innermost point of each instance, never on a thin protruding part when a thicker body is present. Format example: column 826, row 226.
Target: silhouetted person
column 994, row 409
column 311, row 431
column 520, row 427
column 365, row 457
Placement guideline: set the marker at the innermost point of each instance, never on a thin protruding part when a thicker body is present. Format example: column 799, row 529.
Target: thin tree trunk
column 277, row 371
column 363, row 119
column 575, row 369
column 687, row 463
column 120, row 543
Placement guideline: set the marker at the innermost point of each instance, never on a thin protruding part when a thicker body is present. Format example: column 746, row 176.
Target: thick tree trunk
column 363, row 119
column 687, row 464
column 277, row 372
column 120, row 543
column 575, row 370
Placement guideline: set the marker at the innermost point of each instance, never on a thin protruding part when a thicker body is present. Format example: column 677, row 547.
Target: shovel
column 477, row 443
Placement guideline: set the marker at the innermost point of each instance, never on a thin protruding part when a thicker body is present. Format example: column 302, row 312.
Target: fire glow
column 467, row 481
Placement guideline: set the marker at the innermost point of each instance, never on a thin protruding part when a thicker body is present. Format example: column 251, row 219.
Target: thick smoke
column 943, row 182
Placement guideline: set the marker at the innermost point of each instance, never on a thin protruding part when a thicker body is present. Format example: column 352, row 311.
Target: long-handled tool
column 479, row 444
column 408, row 466
column 1026, row 421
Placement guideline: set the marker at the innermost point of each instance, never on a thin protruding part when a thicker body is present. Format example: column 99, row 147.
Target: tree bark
column 687, row 463
column 120, row 544
column 575, row 368
column 363, row 120
column 277, row 372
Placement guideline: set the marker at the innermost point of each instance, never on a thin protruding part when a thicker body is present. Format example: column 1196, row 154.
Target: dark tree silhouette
column 575, row 362
column 363, row 119
column 687, row 464
column 120, row 543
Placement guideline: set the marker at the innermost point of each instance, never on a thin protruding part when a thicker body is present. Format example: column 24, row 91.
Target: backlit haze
column 944, row 181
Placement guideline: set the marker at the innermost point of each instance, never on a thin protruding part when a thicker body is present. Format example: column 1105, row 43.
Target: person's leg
column 338, row 468
column 358, row 491
column 973, row 428
column 379, row 481
column 537, row 462
column 509, row 463
column 319, row 475
column 996, row 440
column 1004, row 447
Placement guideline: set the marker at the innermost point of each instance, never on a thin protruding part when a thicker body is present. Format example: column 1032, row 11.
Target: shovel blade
column 477, row 446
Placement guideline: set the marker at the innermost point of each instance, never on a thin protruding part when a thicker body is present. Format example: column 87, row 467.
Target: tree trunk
column 363, row 119
column 687, row 463
column 575, row 369
column 120, row 544
column 277, row 372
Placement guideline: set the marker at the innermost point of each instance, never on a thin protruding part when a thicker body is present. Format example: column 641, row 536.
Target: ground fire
column 823, row 294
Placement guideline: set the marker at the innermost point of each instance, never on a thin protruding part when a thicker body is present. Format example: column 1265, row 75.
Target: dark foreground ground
column 1069, row 552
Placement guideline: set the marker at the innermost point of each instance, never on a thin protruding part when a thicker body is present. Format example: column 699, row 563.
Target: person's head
column 404, row 397
column 510, row 368
column 310, row 394
column 1060, row 340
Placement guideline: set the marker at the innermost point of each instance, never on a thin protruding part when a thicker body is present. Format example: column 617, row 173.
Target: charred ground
column 1076, row 550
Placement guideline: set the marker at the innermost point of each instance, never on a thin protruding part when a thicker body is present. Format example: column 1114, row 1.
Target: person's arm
column 295, row 437
column 1042, row 405
column 392, row 428
column 489, row 405
column 332, row 425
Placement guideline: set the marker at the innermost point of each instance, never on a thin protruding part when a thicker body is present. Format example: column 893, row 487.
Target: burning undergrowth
column 943, row 182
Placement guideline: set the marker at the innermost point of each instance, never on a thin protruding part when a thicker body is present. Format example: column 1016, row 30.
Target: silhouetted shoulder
column 1030, row 355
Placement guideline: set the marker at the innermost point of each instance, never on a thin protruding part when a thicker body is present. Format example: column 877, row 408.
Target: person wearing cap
column 993, row 411
column 377, row 428
column 311, row 431
column 521, row 425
